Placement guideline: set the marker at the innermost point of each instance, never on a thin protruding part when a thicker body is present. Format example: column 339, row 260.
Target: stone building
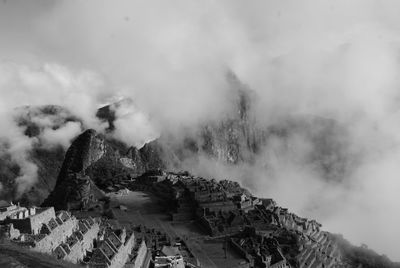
column 258, row 250
column 169, row 257
column 139, row 256
column 245, row 202
column 223, row 222
column 7, row 209
column 82, row 240
column 43, row 230
column 30, row 220
column 114, row 250
column 53, row 233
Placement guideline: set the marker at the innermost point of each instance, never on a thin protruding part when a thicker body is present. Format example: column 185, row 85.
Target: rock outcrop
column 93, row 162
column 74, row 188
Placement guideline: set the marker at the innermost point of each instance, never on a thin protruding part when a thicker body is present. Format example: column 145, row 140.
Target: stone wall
column 56, row 236
column 30, row 221
column 42, row 216
column 120, row 258
column 169, row 261
column 84, row 243
column 7, row 211
column 141, row 254
column 114, row 251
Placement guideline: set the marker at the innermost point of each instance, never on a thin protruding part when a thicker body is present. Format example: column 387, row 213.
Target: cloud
column 335, row 60
column 54, row 84
column 24, row 88
column 17, row 145
column 132, row 126
column 61, row 136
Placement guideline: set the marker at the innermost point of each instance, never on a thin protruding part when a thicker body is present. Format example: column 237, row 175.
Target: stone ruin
column 260, row 251
column 85, row 241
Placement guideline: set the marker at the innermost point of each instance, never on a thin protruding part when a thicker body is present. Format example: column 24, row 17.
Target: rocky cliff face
column 74, row 189
column 240, row 139
column 93, row 162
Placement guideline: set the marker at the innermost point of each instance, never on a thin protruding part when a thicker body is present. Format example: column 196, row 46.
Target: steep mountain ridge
column 92, row 161
column 74, row 189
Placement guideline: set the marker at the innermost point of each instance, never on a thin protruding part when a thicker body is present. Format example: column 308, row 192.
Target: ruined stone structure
column 317, row 248
column 7, row 209
column 53, row 233
column 169, row 257
column 114, row 250
column 82, row 241
column 58, row 234
column 79, row 242
column 225, row 209
column 259, row 250
column 29, row 220
column 222, row 223
column 245, row 202
column 221, row 207
column 213, row 201
column 139, row 256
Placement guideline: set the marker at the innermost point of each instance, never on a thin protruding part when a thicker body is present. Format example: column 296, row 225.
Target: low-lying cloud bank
column 60, row 103
column 337, row 60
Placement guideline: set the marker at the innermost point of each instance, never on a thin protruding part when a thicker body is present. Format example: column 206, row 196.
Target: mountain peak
column 74, row 188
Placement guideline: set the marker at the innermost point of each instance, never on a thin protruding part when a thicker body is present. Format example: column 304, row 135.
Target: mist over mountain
column 238, row 146
column 34, row 159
